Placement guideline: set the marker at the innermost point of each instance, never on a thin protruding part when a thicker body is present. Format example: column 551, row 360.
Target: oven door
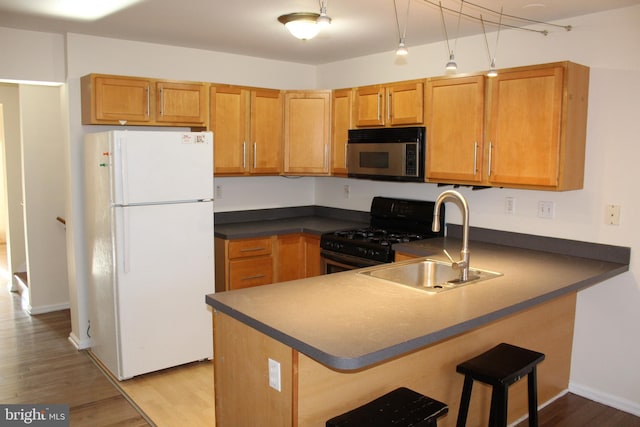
column 334, row 262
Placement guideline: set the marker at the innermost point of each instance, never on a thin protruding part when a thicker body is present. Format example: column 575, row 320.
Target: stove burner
column 392, row 221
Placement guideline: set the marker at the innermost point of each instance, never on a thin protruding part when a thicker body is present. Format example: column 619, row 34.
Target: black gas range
column 391, row 221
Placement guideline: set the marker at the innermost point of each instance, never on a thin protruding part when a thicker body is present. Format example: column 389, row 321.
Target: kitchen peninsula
column 341, row 340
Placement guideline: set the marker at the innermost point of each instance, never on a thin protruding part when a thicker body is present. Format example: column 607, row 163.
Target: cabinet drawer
column 245, row 273
column 249, row 247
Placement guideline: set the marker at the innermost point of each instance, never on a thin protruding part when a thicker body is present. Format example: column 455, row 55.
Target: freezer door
column 158, row 167
column 164, row 264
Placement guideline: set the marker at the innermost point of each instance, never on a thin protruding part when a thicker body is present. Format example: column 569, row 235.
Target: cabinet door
column 455, row 117
column 525, row 125
column 289, row 258
column 369, row 106
column 266, row 132
column 340, row 125
column 306, row 132
column 405, row 104
column 229, row 121
column 312, row 256
column 123, row 98
column 181, row 103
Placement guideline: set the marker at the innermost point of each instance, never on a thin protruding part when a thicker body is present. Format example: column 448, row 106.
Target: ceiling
column 250, row 27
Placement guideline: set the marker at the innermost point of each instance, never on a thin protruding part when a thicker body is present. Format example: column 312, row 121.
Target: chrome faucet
column 458, row 199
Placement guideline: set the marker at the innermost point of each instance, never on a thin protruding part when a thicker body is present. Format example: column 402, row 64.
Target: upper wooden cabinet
column 181, row 103
column 108, row 99
column 395, row 104
column 340, row 125
column 306, row 132
column 247, row 124
column 455, row 126
column 531, row 135
column 537, row 127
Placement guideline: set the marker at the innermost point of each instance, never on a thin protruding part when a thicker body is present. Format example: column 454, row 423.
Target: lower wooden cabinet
column 297, row 256
column 243, row 263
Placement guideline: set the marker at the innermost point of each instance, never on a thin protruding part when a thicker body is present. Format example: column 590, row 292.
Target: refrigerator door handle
column 123, row 171
column 126, row 241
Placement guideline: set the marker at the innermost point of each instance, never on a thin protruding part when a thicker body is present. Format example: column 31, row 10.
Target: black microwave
column 387, row 154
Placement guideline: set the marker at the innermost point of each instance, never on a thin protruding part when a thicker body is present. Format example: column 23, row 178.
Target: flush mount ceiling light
column 86, row 10
column 302, row 25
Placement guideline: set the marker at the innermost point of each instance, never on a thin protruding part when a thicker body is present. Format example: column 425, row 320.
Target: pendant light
column 402, row 48
column 492, row 59
column 323, row 20
column 451, row 65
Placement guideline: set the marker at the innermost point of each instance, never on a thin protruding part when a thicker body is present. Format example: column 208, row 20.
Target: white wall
column 606, row 345
column 31, row 55
column 44, row 188
column 16, row 254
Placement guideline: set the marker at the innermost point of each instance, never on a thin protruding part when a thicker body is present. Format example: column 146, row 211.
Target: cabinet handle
column 255, row 151
column 244, row 155
column 148, row 101
column 257, row 276
column 389, row 106
column 475, row 157
column 254, row 249
column 325, row 158
column 490, row 154
column 161, row 102
column 379, row 102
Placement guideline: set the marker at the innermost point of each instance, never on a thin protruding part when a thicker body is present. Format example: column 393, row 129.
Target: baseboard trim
column 47, row 308
column 605, row 398
column 78, row 343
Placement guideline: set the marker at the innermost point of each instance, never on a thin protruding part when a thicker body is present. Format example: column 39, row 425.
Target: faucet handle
column 448, row 256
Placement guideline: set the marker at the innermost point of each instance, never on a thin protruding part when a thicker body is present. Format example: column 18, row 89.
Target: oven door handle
column 347, row 261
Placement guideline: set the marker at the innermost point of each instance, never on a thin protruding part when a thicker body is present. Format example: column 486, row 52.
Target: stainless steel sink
column 428, row 275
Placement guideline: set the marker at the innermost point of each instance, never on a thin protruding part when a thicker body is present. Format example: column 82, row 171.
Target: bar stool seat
column 401, row 407
column 500, row 367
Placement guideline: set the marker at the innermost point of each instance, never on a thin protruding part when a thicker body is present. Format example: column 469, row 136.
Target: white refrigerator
column 149, row 229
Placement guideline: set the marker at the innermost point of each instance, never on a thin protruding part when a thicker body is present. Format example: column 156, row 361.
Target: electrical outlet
column 510, row 205
column 346, row 191
column 274, row 375
column 546, row 209
column 613, row 215
column 218, row 191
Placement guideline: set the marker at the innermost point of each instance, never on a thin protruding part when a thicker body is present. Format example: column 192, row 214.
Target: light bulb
column 323, row 20
column 402, row 50
column 492, row 70
column 451, row 65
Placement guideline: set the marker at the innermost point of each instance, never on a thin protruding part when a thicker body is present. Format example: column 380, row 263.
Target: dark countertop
column 269, row 222
column 349, row 321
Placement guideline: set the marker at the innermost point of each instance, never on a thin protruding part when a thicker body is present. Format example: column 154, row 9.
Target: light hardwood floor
column 39, row 365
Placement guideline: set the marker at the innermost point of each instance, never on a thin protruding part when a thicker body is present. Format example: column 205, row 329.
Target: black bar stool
column 500, row 367
column 399, row 408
